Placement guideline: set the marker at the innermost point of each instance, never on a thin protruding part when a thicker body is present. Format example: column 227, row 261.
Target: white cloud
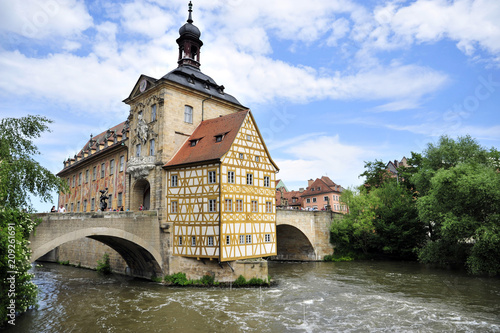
column 40, row 19
column 468, row 22
column 145, row 18
column 324, row 155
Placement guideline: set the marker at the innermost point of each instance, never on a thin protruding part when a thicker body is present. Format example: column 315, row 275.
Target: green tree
column 459, row 200
column 20, row 176
column 355, row 232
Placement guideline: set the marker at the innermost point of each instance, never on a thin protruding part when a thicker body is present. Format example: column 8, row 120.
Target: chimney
column 309, row 182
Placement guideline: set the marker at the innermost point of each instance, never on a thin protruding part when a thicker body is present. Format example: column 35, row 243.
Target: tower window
column 188, row 114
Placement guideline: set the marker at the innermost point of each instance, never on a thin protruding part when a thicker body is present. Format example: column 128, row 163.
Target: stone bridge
column 142, row 242
column 303, row 235
column 135, row 236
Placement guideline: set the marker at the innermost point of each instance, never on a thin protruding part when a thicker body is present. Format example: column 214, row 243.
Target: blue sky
column 331, row 83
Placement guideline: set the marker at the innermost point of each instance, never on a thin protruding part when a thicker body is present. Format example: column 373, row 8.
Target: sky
column 331, row 83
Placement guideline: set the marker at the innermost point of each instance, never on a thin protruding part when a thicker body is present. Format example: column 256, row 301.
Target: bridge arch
column 142, row 259
column 293, row 244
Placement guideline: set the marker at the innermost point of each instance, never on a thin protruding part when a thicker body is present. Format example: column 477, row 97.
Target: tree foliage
column 443, row 208
column 20, row 176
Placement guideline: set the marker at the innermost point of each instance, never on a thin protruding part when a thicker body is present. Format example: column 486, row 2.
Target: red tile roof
column 206, row 148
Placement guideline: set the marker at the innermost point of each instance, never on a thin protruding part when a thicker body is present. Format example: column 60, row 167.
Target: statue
column 104, row 197
column 142, row 129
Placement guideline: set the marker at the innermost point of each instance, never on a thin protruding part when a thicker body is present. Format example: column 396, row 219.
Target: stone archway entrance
column 141, row 195
column 293, row 245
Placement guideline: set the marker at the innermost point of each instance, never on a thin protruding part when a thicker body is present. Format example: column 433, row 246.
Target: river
column 309, row 297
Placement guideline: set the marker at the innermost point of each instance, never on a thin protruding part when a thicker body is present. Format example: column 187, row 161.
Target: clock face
column 142, row 85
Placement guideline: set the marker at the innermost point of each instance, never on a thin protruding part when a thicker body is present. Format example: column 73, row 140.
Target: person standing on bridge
column 62, row 209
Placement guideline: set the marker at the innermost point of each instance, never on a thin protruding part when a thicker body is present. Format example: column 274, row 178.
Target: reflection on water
column 310, row 297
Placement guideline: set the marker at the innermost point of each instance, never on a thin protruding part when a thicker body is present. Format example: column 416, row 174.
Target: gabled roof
column 325, row 184
column 206, row 148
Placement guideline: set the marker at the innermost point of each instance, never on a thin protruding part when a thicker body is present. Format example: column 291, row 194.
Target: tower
column 189, row 42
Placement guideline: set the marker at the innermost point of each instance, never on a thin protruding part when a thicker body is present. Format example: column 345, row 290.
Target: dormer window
column 194, row 142
column 218, row 138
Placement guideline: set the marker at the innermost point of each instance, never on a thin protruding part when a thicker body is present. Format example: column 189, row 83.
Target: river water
column 309, row 297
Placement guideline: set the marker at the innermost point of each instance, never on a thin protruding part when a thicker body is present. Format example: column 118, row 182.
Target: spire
column 190, row 19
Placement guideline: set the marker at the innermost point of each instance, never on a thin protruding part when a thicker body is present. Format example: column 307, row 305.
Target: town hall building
column 189, row 151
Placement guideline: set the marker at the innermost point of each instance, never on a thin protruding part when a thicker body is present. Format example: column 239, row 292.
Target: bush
column 103, row 265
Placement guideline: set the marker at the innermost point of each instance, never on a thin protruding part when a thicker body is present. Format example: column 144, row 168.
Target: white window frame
column 193, row 240
column 188, row 114
column 269, row 207
column 230, row 177
column 255, row 206
column 228, row 204
column 212, row 177
column 212, row 205
column 267, row 238
column 249, row 178
column 174, row 206
column 122, row 162
column 111, row 167
column 228, row 240
column 153, row 112
column 242, row 239
column 174, row 181
column 267, row 181
column 249, row 239
column 152, row 147
column 239, row 206
column 210, row 241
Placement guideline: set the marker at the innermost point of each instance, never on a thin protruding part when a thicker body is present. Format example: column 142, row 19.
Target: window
column 188, row 114
column 312, row 189
column 308, row 200
column 239, row 205
column 120, row 200
column 257, row 159
column 229, row 205
column 242, row 156
column 325, row 198
column 255, row 206
column 230, row 177
column 152, row 147
column 228, row 240
column 85, row 205
column 112, row 167
column 249, row 179
column 74, row 177
column 211, row 177
column 138, row 150
column 266, row 181
column 94, row 173
column 80, row 179
column 102, row 170
column 173, row 207
column 249, row 239
column 72, row 207
column 173, row 181
column 210, row 240
column 193, row 241
column 242, row 239
column 269, row 207
column 212, row 207
column 249, row 137
column 110, row 201
column 194, row 142
column 153, row 112
column 86, row 176
column 314, row 199
column 78, row 206
column 267, row 238
column 319, row 188
column 92, row 204
column 122, row 162
column 180, row 240
column 218, row 138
